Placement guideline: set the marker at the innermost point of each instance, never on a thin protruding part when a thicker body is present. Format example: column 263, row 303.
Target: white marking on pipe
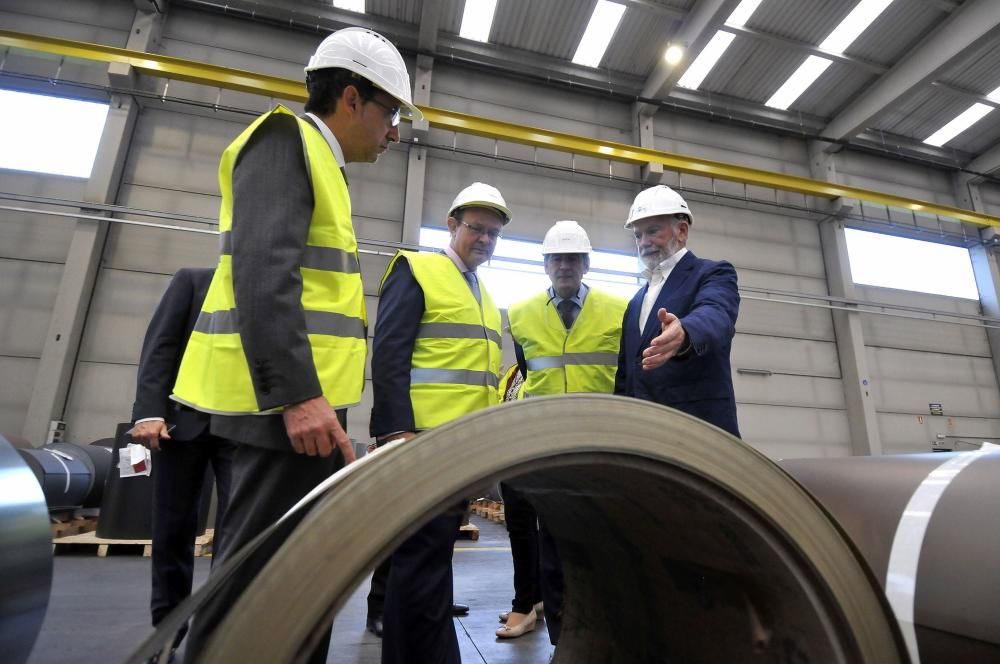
column 57, row 455
column 901, row 575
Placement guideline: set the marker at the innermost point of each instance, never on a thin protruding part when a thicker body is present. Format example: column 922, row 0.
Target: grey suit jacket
column 272, row 208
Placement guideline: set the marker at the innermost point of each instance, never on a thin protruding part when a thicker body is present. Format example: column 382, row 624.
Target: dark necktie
column 566, row 310
column 474, row 284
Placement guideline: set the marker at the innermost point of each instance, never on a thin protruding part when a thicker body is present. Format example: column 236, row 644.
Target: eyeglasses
column 393, row 111
column 479, row 230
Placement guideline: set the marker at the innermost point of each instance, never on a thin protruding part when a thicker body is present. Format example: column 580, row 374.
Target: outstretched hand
column 313, row 429
column 667, row 344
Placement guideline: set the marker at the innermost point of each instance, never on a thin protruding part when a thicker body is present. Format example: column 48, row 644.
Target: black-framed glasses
column 479, row 230
column 392, row 111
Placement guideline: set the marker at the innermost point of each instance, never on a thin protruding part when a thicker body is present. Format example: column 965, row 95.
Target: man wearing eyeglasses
column 277, row 354
column 435, row 358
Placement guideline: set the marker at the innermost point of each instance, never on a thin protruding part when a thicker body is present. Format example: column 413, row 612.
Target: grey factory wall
column 797, row 410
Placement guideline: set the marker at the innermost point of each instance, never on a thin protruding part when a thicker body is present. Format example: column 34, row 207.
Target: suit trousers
column 266, row 484
column 522, row 528
column 418, row 627
column 177, row 488
column 552, row 582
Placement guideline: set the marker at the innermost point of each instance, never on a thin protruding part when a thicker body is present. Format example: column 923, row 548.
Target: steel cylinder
column 678, row 542
column 25, row 557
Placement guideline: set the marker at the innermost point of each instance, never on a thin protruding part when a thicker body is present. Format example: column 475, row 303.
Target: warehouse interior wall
column 787, row 370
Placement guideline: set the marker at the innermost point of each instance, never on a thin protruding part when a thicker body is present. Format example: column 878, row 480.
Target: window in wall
column 914, row 265
column 46, row 134
column 516, row 271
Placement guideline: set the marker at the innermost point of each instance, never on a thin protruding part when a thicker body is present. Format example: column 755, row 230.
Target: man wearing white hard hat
column 287, row 289
column 435, row 358
column 566, row 341
column 678, row 329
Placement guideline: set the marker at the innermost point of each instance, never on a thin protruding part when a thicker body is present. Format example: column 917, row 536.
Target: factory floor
column 99, row 609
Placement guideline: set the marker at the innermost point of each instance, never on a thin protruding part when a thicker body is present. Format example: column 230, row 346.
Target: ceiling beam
column 806, row 47
column 698, row 28
column 430, row 23
column 963, row 30
column 655, row 8
column 985, row 164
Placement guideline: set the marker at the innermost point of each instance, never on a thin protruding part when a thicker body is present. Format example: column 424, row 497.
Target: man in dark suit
column 278, row 353
column 678, row 330
column 185, row 446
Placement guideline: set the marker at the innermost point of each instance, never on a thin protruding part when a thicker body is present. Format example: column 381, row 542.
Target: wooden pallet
column 74, row 526
column 90, row 542
column 489, row 509
column 469, row 531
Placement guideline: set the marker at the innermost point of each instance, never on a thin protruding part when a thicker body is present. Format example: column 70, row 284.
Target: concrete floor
column 99, row 609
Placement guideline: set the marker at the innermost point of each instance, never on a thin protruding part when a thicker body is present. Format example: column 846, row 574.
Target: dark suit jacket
column 162, row 350
column 400, row 308
column 704, row 295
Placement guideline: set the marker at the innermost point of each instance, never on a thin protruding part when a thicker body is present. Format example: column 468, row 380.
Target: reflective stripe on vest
column 583, row 359
column 215, row 373
column 455, row 368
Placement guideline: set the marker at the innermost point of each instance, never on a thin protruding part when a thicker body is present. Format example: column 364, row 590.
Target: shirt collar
column 657, row 273
column 457, row 260
column 335, row 148
column 578, row 299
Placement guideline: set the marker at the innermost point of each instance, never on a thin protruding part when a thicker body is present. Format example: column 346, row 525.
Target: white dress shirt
column 656, row 278
column 338, row 152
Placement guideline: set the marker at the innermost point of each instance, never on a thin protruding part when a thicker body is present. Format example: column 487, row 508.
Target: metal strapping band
column 901, row 574
column 457, row 331
column 559, row 361
column 317, row 322
column 454, row 377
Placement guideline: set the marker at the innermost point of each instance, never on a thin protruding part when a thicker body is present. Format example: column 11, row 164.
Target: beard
column 651, row 260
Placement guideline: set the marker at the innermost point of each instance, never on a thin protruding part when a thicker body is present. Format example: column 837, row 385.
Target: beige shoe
column 539, row 611
column 525, row 622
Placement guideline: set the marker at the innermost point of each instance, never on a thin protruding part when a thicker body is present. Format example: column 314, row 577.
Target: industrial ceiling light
column 477, row 20
column 350, row 5
column 674, row 54
column 601, row 28
column 838, row 41
column 969, row 117
column 715, row 49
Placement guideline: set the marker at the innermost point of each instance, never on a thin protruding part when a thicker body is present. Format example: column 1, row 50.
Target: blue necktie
column 474, row 284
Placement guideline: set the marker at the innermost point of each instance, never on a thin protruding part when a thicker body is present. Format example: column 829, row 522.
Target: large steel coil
column 25, row 557
column 678, row 541
column 70, row 475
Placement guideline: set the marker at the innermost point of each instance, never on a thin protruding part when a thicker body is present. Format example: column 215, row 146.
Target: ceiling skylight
column 350, row 5
column 711, row 54
column 478, row 19
column 838, row 41
column 969, row 117
column 603, row 23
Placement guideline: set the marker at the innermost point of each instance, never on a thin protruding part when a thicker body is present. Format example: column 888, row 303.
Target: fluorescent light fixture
column 477, row 20
column 912, row 265
column 742, row 13
column 706, row 60
column 863, row 15
column 36, row 136
column 798, row 82
column 603, row 23
column 674, row 54
column 350, row 5
column 994, row 96
column 710, row 55
column 969, row 117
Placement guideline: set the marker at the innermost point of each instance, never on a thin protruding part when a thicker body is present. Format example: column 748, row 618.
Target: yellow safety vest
column 561, row 361
column 455, row 367
column 214, row 375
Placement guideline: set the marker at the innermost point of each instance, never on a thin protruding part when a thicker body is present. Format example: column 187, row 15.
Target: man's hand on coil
column 667, row 344
column 313, row 429
column 149, row 433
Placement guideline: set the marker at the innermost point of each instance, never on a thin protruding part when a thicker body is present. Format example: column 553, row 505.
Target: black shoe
column 375, row 625
column 459, row 609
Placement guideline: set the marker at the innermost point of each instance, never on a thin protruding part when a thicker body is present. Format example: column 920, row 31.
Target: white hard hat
column 566, row 237
column 371, row 56
column 479, row 194
column 655, row 201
